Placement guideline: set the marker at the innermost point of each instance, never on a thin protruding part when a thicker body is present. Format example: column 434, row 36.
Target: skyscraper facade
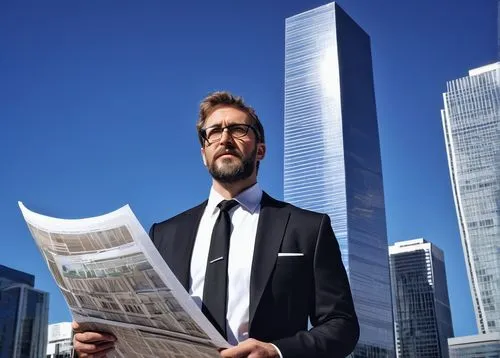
column 332, row 156
column 421, row 306
column 23, row 315
column 471, row 123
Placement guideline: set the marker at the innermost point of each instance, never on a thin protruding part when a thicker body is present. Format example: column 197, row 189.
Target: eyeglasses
column 214, row 133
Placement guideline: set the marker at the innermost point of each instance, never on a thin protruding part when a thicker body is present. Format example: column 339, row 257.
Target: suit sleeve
column 335, row 329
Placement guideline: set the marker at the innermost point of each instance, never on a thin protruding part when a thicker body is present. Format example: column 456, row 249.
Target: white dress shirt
column 244, row 219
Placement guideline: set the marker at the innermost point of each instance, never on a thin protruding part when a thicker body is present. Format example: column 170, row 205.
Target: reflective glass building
column 471, row 123
column 23, row 316
column 332, row 156
column 421, row 306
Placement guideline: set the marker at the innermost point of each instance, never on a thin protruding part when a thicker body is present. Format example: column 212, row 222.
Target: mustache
column 231, row 151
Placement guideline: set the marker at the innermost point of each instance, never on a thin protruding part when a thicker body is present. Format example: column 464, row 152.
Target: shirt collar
column 249, row 199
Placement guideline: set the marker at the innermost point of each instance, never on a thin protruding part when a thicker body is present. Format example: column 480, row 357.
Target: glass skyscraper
column 471, row 123
column 421, row 306
column 23, row 316
column 332, row 156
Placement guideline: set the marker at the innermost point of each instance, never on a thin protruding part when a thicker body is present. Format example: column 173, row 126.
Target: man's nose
column 226, row 137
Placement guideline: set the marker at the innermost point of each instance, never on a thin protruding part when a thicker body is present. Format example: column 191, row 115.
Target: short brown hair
column 223, row 98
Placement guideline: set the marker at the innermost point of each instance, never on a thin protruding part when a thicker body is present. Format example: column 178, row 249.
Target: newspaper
column 114, row 280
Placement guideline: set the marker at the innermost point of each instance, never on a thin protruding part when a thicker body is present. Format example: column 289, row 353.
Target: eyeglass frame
column 203, row 131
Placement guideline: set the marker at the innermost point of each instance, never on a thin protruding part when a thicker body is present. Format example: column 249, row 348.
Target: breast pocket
column 289, row 272
column 291, row 287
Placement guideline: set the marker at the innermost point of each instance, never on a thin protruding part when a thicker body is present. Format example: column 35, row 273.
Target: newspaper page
column 114, row 280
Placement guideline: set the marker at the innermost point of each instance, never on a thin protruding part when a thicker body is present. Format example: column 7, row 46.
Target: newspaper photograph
column 114, row 280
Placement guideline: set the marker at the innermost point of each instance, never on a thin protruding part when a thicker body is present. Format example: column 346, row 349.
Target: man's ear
column 203, row 156
column 261, row 151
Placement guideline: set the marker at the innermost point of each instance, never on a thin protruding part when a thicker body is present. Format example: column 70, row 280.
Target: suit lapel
column 185, row 238
column 273, row 219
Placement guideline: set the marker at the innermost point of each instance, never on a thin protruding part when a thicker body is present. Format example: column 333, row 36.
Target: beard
column 232, row 170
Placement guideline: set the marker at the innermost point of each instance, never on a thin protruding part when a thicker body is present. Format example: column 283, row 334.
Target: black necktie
column 215, row 286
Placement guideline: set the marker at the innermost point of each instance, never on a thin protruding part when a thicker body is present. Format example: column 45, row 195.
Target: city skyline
column 332, row 156
column 91, row 92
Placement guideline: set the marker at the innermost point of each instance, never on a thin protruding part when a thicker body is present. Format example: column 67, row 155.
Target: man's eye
column 214, row 131
column 238, row 130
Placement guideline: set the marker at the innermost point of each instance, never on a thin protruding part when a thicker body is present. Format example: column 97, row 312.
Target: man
column 283, row 264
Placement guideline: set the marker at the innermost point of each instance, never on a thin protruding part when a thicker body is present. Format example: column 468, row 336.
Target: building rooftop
column 483, row 69
column 477, row 338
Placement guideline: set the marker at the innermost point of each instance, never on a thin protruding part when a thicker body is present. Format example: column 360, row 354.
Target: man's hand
column 92, row 344
column 251, row 348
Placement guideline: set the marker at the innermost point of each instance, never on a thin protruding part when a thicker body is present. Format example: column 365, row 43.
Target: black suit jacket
column 284, row 290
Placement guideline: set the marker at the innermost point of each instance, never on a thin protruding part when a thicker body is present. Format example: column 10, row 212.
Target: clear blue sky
column 98, row 101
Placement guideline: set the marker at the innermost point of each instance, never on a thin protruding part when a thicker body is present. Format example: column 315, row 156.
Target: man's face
column 232, row 157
